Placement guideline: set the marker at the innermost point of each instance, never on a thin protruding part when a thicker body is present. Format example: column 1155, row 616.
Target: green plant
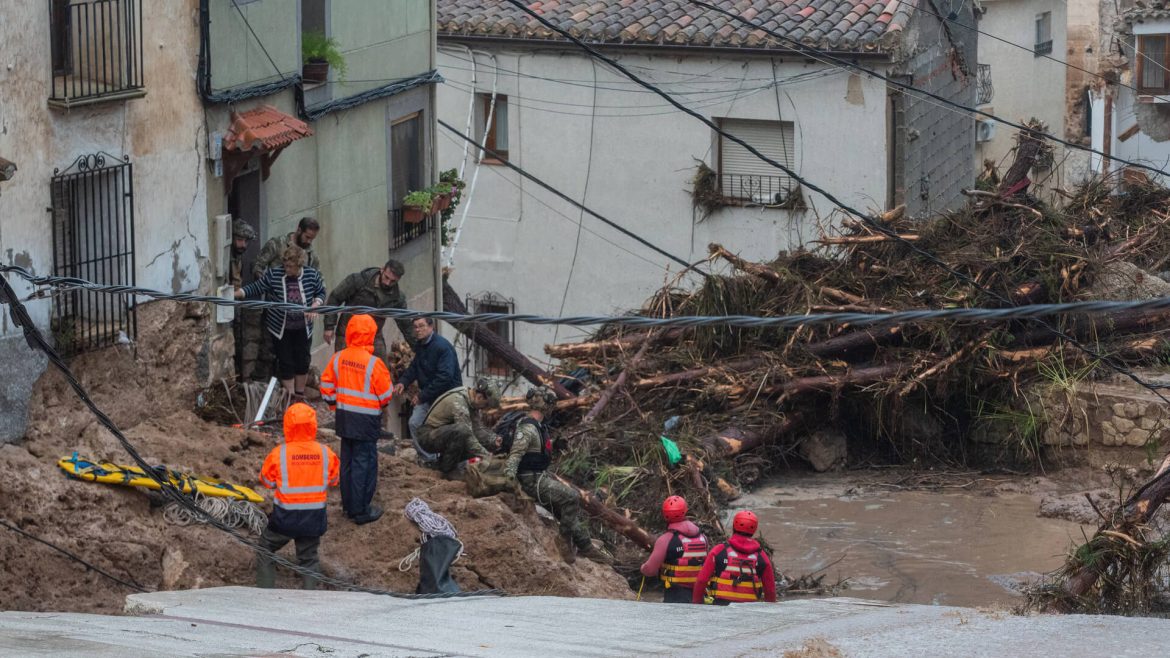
column 452, row 176
column 316, row 47
column 442, row 187
column 418, row 199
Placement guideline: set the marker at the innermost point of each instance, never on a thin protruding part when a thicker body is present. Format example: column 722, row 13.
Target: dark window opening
column 92, row 206
column 95, row 49
column 1153, row 61
column 407, row 166
column 489, row 363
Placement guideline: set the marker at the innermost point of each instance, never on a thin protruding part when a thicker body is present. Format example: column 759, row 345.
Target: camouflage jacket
column 454, row 408
column 527, row 439
column 362, row 289
column 270, row 255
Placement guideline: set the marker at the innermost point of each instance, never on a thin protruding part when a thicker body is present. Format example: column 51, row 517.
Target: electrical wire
column 96, row 569
column 257, row 38
column 869, row 220
column 823, row 56
column 914, row 316
column 36, row 340
column 619, row 228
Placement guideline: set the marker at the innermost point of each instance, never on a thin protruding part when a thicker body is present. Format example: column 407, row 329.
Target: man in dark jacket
column 436, row 369
column 374, row 287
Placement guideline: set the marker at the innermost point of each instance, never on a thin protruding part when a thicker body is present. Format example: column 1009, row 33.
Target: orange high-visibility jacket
column 299, row 471
column 356, row 383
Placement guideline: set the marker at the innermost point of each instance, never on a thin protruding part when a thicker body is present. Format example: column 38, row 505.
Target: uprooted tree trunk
column 622, row 522
column 1029, row 147
column 491, row 341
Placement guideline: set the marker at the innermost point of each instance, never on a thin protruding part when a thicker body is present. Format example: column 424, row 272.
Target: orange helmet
column 674, row 509
column 745, row 522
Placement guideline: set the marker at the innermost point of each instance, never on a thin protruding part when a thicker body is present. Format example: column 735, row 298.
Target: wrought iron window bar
column 96, row 48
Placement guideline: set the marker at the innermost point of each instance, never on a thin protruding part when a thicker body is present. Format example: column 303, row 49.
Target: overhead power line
column 37, row 341
column 88, row 565
column 914, row 316
column 824, row 56
column 869, row 220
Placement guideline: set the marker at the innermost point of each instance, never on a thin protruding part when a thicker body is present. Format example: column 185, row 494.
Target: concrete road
column 241, row 621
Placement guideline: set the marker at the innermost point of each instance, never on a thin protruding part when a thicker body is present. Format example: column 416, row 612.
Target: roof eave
column 528, row 42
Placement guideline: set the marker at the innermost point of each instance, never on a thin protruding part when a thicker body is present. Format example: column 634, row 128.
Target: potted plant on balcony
column 318, row 53
column 416, row 206
column 441, row 191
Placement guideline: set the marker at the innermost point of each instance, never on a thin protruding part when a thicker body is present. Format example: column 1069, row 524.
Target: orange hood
column 359, row 332
column 300, row 423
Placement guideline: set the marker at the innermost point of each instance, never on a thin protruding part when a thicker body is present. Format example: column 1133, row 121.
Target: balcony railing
column 96, row 50
column 986, row 90
column 402, row 232
column 755, row 189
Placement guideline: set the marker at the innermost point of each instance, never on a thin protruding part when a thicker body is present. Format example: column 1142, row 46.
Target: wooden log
column 489, row 340
column 853, row 343
column 618, row 383
column 684, row 376
column 817, row 383
column 734, row 441
column 622, row 522
column 755, row 269
column 1099, row 326
column 1028, row 293
column 1029, row 145
column 602, row 347
column 868, row 239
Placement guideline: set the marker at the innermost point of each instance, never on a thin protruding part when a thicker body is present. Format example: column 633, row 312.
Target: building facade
column 627, row 154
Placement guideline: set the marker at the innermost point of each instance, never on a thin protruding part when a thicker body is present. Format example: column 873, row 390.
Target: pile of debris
column 749, row 399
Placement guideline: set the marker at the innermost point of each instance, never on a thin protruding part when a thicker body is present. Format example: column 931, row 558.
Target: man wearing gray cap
column 374, row 287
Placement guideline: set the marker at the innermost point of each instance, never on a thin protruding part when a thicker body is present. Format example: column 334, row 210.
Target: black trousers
column 677, row 594
column 359, row 475
column 292, row 353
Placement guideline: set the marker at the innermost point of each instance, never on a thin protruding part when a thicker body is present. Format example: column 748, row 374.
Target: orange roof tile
column 264, row 128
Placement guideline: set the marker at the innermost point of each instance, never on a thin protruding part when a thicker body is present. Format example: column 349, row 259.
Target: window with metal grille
column 1153, row 63
column 495, row 136
column 745, row 178
column 96, row 51
column 487, row 363
column 1043, row 34
column 407, row 162
column 986, row 89
column 92, row 206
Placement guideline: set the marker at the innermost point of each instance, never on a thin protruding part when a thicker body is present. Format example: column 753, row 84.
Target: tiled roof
column 265, row 128
column 840, row 25
column 1144, row 11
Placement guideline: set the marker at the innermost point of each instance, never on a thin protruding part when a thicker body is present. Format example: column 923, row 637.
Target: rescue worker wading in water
column 738, row 570
column 678, row 553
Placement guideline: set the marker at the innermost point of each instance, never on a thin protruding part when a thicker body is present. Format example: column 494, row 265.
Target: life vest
column 684, row 559
column 736, row 578
column 535, row 462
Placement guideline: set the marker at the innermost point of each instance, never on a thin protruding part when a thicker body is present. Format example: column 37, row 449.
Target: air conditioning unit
column 984, row 130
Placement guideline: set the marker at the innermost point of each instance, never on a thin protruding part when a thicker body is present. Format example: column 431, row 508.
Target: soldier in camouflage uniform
column 255, row 355
column 527, row 467
column 452, row 428
column 373, row 287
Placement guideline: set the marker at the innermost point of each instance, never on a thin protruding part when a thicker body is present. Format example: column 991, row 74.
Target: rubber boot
column 309, row 582
column 265, row 573
column 596, row 553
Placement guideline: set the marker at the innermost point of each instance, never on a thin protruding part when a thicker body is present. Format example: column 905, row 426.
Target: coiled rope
column 431, row 524
column 230, row 512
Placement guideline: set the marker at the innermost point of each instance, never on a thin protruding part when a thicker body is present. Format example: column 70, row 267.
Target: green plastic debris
column 672, row 452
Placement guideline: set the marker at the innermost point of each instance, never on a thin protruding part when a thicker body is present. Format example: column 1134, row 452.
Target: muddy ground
column 149, row 392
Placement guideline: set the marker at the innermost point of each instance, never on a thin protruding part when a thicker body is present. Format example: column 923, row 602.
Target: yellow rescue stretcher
column 133, row 476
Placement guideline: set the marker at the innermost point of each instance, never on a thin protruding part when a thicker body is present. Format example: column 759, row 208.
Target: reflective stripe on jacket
column 357, row 384
column 304, row 479
column 738, row 580
column 684, row 558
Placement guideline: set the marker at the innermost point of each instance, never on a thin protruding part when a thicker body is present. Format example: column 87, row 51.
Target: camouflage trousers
column 453, row 443
column 254, row 360
column 562, row 501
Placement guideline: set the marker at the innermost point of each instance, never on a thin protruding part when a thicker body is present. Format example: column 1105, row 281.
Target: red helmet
column 674, row 509
column 745, row 522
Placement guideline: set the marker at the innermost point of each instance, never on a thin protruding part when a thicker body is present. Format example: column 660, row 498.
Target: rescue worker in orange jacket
column 299, row 471
column 678, row 553
column 738, row 570
column 356, row 384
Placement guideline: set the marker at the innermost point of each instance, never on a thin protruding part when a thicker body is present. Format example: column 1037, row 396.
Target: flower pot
column 315, row 71
column 444, row 201
column 413, row 214
column 435, row 200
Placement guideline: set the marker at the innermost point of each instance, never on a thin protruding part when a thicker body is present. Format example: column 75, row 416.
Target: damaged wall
column 938, row 140
column 1138, row 127
column 161, row 133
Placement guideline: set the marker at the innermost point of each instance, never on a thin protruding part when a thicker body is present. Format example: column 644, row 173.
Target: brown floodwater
column 914, row 546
